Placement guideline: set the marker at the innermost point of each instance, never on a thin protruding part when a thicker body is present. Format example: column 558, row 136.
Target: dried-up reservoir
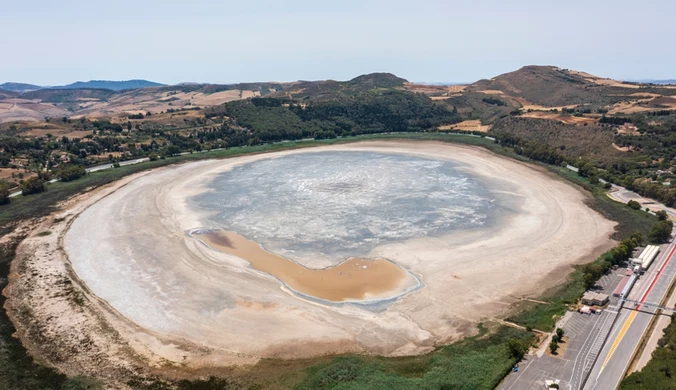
column 380, row 247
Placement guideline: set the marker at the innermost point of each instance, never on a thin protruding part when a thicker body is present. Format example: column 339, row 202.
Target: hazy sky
column 53, row 42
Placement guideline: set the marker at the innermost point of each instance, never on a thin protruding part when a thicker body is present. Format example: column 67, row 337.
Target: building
column 594, row 299
column 601, row 299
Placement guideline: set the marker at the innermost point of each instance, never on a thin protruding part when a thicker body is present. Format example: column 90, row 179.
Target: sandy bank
column 353, row 280
column 130, row 249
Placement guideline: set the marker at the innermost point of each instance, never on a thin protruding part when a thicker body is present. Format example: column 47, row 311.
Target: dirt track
column 137, row 230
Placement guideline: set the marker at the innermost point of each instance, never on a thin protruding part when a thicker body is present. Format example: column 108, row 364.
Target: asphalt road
column 632, row 323
column 623, row 195
column 586, row 334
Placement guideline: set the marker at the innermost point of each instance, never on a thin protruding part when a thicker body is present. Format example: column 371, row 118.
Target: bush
column 661, row 231
column 553, row 346
column 153, row 157
column 634, row 205
column 116, row 164
column 661, row 215
column 4, row 193
column 71, row 172
column 34, row 185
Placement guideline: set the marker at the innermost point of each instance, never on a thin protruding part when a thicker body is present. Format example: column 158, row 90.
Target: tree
column 661, row 231
column 71, row 172
column 559, row 333
column 662, row 215
column 634, row 205
column 553, row 346
column 517, row 348
column 4, row 192
column 34, row 185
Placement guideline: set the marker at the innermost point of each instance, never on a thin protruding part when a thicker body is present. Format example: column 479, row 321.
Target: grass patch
column 478, row 362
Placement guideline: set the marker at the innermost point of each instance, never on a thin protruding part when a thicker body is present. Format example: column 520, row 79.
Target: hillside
column 112, row 85
column 327, row 89
column 19, row 87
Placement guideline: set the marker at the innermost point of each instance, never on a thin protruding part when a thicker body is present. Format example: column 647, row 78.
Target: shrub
column 4, row 193
column 661, row 231
column 71, row 172
column 34, row 185
column 553, row 346
column 634, row 205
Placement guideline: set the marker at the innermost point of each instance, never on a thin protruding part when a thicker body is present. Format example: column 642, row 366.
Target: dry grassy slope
column 36, row 105
column 328, row 89
column 592, row 140
column 543, row 85
column 550, row 86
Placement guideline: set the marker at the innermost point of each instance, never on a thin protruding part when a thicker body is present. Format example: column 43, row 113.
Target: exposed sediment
column 354, row 280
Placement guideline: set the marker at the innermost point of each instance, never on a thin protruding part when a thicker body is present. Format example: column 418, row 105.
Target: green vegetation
column 661, row 231
column 660, row 372
column 478, row 362
column 71, row 172
column 553, row 346
column 493, row 101
column 34, row 185
column 632, row 204
column 4, row 193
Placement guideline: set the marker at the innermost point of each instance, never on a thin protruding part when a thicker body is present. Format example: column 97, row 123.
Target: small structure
column 620, row 287
column 594, row 299
column 600, row 299
column 588, row 298
column 585, row 310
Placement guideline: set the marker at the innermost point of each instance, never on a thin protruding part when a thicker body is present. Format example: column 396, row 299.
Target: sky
column 49, row 42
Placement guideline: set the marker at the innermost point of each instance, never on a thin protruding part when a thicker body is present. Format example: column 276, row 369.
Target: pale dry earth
column 467, row 277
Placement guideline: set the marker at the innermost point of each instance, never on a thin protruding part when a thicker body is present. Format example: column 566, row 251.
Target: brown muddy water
column 355, row 279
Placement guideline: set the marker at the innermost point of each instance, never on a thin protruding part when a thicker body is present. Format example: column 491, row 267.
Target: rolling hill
column 19, row 87
column 112, row 85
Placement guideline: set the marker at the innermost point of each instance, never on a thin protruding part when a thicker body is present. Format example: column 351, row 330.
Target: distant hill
column 543, row 85
column 19, row 87
column 378, row 80
column 328, row 89
column 112, row 85
column 5, row 94
column 659, row 82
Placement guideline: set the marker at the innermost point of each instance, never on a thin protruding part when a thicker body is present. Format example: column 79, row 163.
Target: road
column 586, row 335
column 632, row 323
column 623, row 195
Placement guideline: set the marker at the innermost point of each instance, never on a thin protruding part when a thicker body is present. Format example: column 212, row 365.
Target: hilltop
column 19, row 87
column 112, row 85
